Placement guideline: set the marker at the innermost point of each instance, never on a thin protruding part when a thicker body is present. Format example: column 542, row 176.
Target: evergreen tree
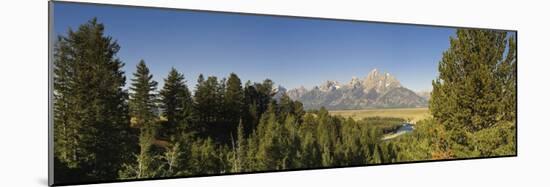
column 233, row 100
column 264, row 95
column 221, row 117
column 310, row 152
column 476, row 84
column 239, row 151
column 351, row 148
column 289, row 107
column 299, row 110
column 207, row 100
column 200, row 102
column 142, row 103
column 269, row 147
column 257, row 98
column 143, row 97
column 370, row 140
column 91, row 125
column 327, row 131
column 286, row 106
column 177, row 107
column 252, row 142
column 249, row 109
column 176, row 103
column 291, row 143
column 205, row 159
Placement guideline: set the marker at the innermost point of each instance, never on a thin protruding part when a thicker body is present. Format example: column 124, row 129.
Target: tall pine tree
column 92, row 133
column 143, row 97
column 176, row 103
column 142, row 105
column 233, row 100
column 206, row 99
column 476, row 84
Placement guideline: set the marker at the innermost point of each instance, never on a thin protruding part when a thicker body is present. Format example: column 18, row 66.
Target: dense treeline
column 106, row 132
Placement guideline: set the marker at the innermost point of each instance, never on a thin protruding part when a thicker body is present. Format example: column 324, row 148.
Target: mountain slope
column 376, row 90
column 400, row 97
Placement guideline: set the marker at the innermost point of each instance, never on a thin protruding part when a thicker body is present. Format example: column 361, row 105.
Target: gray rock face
column 297, row 92
column 376, row 90
column 401, row 97
column 380, row 82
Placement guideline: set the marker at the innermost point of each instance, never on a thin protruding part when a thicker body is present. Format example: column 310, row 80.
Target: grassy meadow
column 410, row 114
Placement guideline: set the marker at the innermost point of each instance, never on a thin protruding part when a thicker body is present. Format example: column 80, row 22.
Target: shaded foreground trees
column 224, row 126
column 90, row 106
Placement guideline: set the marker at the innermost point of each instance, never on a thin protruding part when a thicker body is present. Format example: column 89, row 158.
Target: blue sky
column 290, row 51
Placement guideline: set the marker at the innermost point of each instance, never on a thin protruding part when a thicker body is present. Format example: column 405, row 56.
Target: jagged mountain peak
column 355, row 82
column 329, row 86
column 297, row 92
column 375, row 90
column 380, row 82
column 373, row 71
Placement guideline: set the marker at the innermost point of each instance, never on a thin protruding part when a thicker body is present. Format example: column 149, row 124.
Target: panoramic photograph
column 151, row 93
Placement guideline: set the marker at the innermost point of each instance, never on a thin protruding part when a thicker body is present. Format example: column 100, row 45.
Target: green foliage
column 146, row 163
column 475, row 88
column 257, row 98
column 90, row 110
column 143, row 104
column 207, row 100
column 176, row 103
column 475, row 92
column 269, row 153
column 172, row 160
column 350, row 147
column 429, row 141
column 143, row 98
column 238, row 154
column 205, row 158
column 233, row 100
column 496, row 141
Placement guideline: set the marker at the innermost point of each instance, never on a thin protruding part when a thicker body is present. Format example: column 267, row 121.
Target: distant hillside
column 376, row 90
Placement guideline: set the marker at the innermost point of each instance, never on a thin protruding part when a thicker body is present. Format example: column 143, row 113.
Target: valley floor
column 410, row 114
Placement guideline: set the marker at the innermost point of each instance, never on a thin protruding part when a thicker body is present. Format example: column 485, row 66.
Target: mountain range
column 376, row 90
